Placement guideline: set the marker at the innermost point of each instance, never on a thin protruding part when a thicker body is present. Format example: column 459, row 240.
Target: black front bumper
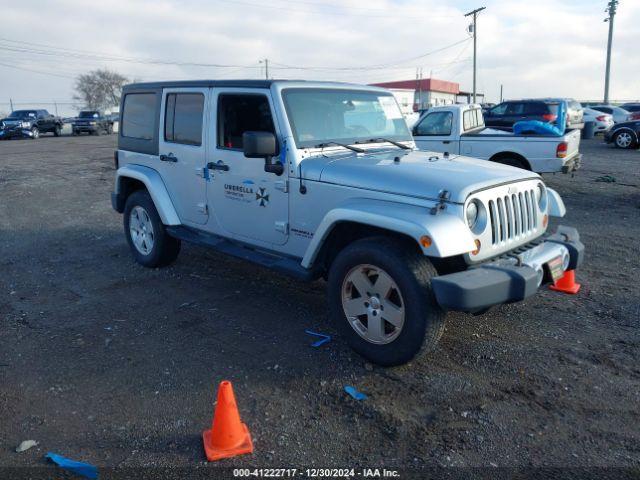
column 14, row 132
column 85, row 128
column 494, row 283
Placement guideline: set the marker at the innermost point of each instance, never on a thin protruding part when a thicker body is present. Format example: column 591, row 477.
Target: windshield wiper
column 377, row 140
column 344, row 145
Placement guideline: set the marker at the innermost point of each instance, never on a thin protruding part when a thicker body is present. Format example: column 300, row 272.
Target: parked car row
column 33, row 123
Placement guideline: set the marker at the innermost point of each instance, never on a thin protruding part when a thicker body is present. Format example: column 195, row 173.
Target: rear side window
column 183, row 118
column 436, row 123
column 239, row 113
column 138, row 117
column 536, row 108
column 604, row 109
column 472, row 119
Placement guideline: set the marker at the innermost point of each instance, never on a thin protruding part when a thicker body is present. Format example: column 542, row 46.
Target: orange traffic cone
column 566, row 283
column 228, row 436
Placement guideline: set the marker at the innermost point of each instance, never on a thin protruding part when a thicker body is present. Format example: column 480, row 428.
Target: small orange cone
column 228, row 436
column 567, row 283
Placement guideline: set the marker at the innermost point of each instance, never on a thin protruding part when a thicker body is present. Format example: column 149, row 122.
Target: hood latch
column 443, row 198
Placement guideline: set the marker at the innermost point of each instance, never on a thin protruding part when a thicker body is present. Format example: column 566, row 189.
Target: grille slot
column 512, row 216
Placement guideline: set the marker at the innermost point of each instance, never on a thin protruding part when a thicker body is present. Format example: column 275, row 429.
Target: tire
column 35, row 133
column 110, row 129
column 513, row 162
column 410, row 272
column 161, row 248
column 97, row 132
column 57, row 131
column 624, row 139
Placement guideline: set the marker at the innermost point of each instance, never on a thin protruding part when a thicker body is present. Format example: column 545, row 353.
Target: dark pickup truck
column 92, row 122
column 29, row 124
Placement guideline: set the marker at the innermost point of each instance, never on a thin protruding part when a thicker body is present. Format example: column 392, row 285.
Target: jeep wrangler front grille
column 512, row 216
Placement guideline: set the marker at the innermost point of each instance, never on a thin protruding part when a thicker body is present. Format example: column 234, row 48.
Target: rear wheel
column 150, row 244
column 57, row 131
column 624, row 139
column 381, row 299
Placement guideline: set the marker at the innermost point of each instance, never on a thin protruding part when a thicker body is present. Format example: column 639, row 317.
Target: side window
column 183, row 118
column 239, row 113
column 499, row 109
column 436, row 123
column 535, row 108
column 138, row 116
column 515, row 108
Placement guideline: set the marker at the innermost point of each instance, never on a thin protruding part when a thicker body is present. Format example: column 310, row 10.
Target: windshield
column 88, row 115
column 320, row 116
column 23, row 114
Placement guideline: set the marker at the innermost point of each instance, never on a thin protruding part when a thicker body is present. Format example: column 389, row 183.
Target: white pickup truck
column 460, row 130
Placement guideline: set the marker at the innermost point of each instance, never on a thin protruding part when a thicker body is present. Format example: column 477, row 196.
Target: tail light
column 634, row 116
column 549, row 117
column 601, row 118
column 561, row 151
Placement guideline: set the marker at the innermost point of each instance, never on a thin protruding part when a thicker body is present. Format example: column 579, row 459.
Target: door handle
column 446, row 141
column 168, row 158
column 219, row 165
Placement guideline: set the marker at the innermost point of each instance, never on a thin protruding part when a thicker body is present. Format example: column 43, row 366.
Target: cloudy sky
column 533, row 48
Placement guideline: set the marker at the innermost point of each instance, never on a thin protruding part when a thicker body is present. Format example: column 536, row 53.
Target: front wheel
column 150, row 244
column 381, row 299
column 35, row 133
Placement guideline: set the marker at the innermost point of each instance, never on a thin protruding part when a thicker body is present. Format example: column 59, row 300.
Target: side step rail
column 286, row 265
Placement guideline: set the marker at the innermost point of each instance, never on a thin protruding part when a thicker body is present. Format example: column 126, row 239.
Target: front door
column 182, row 150
column 247, row 202
column 434, row 133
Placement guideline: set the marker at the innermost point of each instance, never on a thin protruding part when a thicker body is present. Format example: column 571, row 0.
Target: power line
column 375, row 66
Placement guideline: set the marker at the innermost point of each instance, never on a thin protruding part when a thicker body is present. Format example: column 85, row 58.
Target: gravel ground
column 107, row 362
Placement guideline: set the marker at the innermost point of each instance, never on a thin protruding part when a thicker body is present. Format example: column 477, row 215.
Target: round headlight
column 541, row 196
column 472, row 214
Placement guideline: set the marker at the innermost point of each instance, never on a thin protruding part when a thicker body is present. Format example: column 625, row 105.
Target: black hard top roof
column 204, row 83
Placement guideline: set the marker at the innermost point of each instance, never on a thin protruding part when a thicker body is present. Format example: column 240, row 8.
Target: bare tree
column 99, row 89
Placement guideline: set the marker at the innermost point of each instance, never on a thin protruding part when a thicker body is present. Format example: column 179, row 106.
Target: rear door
column 182, row 149
column 247, row 203
column 434, row 133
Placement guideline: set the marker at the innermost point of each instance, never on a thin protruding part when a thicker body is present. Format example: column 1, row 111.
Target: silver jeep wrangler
column 318, row 179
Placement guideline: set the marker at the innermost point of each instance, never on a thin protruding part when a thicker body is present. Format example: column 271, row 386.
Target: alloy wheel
column 141, row 230
column 373, row 304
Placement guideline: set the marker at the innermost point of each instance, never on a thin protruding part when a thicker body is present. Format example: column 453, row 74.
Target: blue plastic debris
column 79, row 468
column 323, row 338
column 354, row 393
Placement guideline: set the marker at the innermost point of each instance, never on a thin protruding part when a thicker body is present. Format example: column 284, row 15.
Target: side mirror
column 262, row 145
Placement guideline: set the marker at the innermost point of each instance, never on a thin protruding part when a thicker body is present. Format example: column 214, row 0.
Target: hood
column 417, row 173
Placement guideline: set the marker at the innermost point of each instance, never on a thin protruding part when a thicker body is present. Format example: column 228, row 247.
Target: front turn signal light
column 545, row 221
column 478, row 245
column 425, row 241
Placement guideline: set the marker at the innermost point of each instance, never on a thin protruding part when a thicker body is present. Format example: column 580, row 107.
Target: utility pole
column 11, row 103
column 475, row 35
column 500, row 93
column 611, row 10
